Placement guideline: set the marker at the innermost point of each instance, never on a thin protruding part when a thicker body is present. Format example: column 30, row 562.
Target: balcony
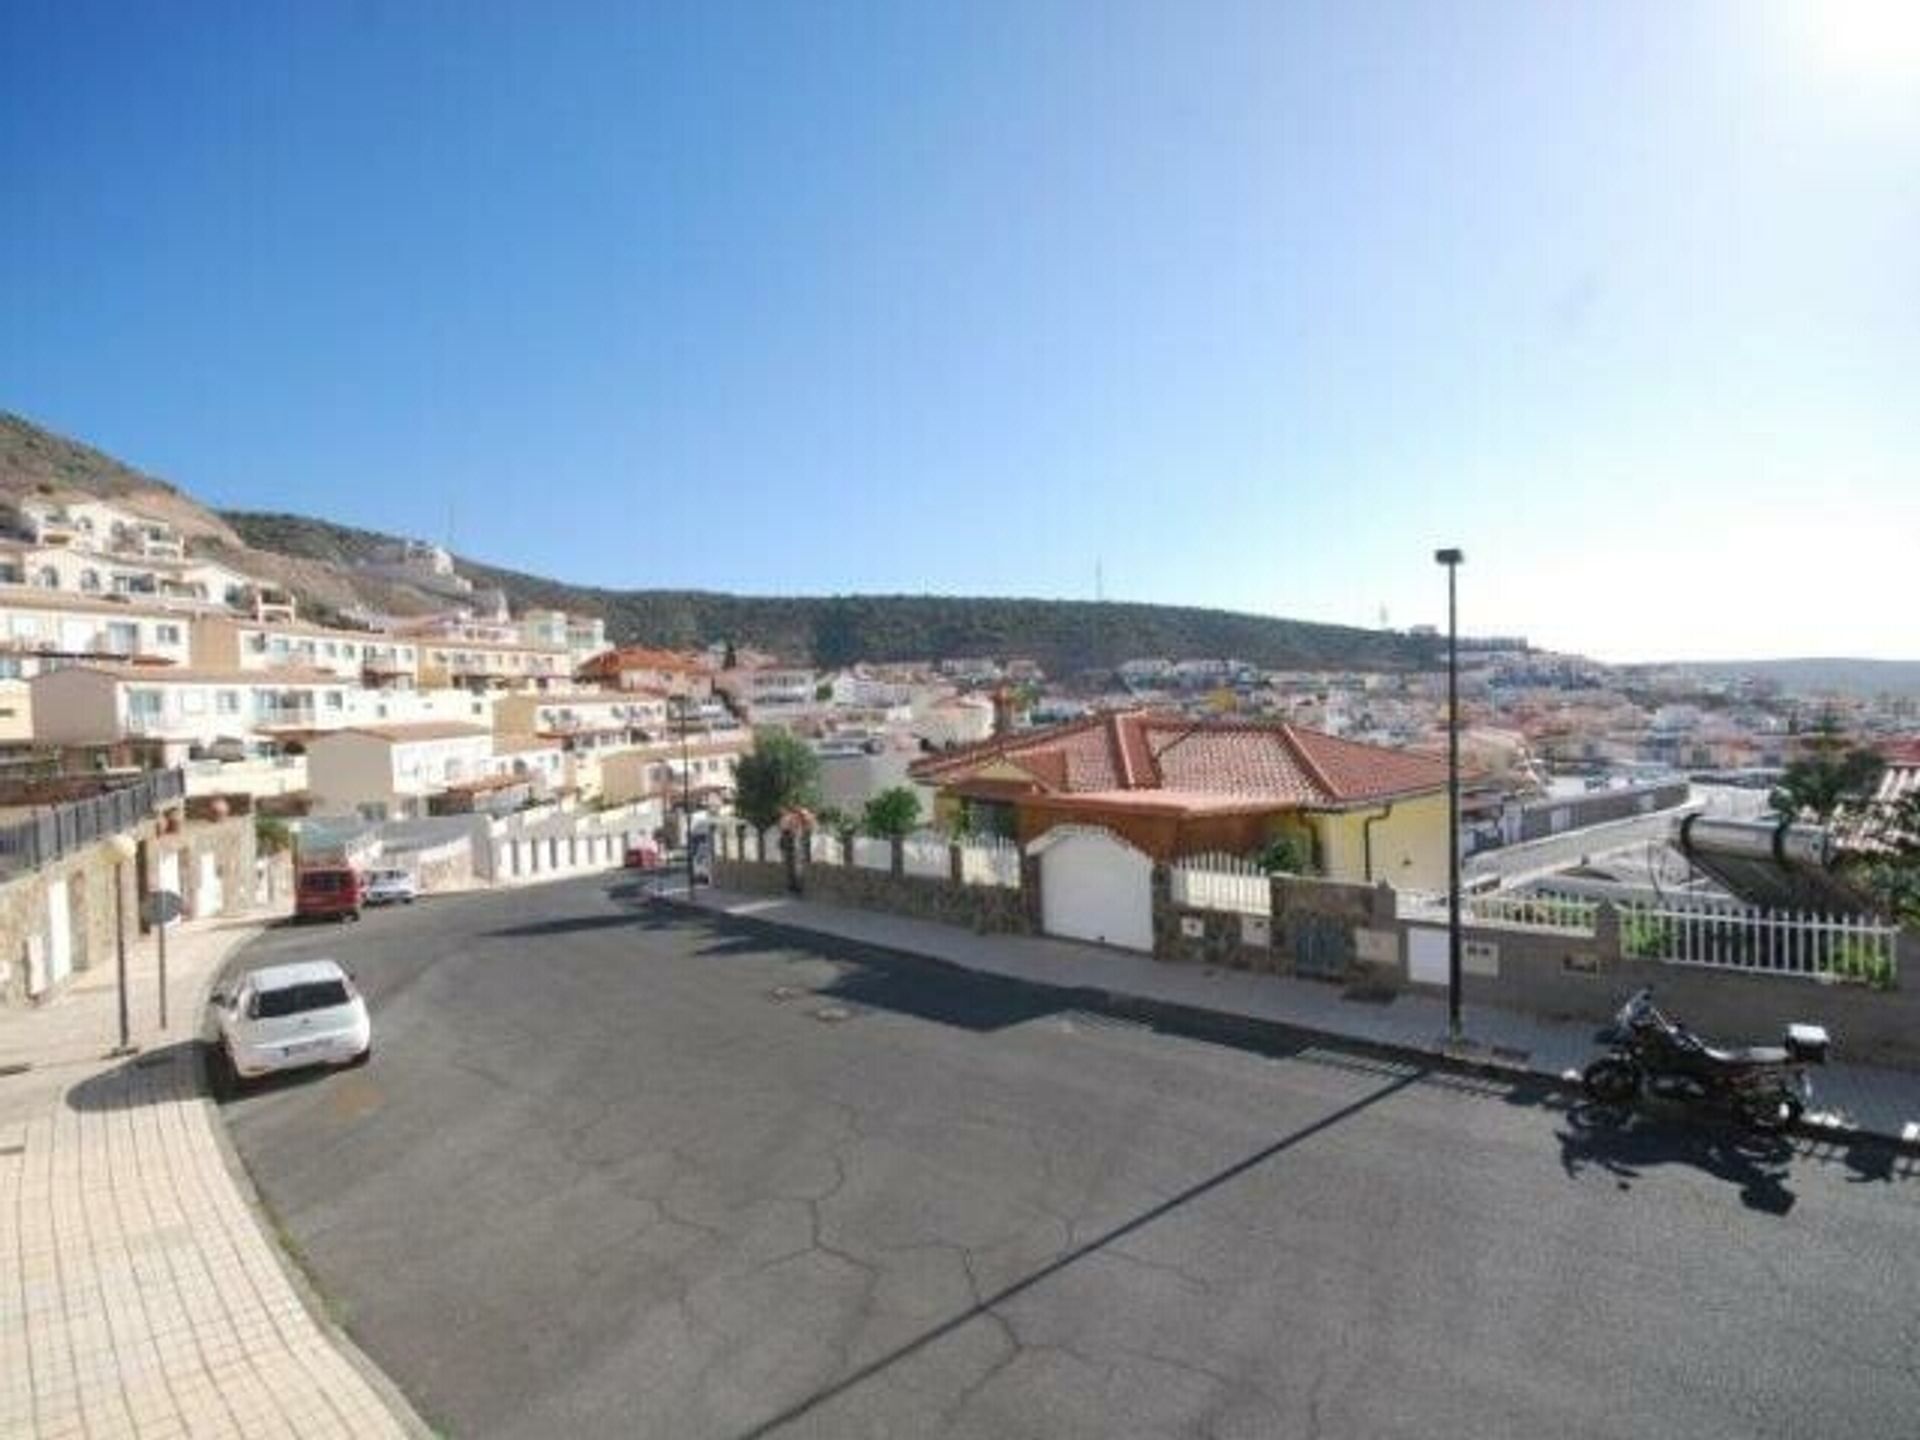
column 299, row 716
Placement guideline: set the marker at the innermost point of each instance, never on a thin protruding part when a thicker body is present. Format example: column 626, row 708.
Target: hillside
column 1063, row 635
column 316, row 559
column 1821, row 675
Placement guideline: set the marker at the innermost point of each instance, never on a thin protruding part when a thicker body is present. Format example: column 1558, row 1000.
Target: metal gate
column 1322, row 946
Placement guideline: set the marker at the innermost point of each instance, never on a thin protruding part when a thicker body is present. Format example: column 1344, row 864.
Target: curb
column 1124, row 1006
column 384, row 1389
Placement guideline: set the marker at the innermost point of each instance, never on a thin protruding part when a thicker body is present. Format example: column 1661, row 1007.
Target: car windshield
column 298, row 999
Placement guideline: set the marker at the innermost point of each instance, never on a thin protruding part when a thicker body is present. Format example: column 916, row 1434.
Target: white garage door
column 1095, row 886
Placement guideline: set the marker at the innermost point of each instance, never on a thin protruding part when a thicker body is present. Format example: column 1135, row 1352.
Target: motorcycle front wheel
column 1778, row 1110
column 1611, row 1080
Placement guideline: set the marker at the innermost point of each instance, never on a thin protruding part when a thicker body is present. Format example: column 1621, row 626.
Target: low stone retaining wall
column 985, row 909
column 40, row 950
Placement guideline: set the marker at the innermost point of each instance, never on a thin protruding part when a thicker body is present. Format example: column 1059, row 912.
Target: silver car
column 390, row 887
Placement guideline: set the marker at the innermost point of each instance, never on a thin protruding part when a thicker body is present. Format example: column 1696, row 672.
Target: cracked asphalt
column 619, row 1170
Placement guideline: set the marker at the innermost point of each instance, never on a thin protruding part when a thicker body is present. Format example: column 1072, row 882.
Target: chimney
column 1002, row 712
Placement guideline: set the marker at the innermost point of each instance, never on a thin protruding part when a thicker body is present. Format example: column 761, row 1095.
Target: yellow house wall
column 1409, row 845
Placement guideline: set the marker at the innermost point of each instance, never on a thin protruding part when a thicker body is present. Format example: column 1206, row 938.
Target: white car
column 390, row 887
column 285, row 1017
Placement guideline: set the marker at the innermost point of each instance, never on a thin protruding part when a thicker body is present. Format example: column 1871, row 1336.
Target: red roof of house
column 634, row 657
column 1247, row 760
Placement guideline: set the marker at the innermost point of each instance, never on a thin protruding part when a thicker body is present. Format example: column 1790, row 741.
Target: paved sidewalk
column 139, row 1294
column 1862, row 1098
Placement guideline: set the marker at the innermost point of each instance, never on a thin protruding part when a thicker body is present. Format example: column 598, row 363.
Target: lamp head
column 1449, row 556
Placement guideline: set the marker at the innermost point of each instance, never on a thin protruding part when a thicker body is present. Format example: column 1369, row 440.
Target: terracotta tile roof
column 1239, row 760
column 164, row 674
column 635, row 657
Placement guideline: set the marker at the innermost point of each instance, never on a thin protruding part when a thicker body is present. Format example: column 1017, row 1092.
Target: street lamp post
column 686, row 797
column 124, row 850
column 1451, row 558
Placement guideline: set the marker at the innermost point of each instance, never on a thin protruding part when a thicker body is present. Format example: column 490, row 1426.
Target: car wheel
column 235, row 1082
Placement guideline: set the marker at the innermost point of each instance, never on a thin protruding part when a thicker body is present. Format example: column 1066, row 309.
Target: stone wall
column 89, row 877
column 986, row 909
column 230, row 841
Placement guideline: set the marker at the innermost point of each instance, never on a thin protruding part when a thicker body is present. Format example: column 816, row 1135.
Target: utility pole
column 686, row 797
column 1451, row 558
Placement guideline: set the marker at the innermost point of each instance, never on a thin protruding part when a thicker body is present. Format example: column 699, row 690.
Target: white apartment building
column 362, row 656
column 39, row 629
column 768, row 687
column 957, row 720
column 481, row 665
column 567, row 712
column 78, row 519
column 181, row 712
column 385, row 772
column 175, row 712
column 661, row 772
column 852, row 688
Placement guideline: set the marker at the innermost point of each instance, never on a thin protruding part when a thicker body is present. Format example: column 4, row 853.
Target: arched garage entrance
column 1095, row 886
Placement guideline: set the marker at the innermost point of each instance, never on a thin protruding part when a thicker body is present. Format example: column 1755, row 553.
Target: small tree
column 271, row 835
column 781, row 774
column 1833, row 778
column 892, row 814
column 1286, row 855
column 832, row 819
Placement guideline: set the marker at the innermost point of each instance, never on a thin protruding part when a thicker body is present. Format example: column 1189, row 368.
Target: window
column 227, row 702
column 47, row 578
column 9, row 667
column 298, row 999
column 335, row 700
column 167, row 634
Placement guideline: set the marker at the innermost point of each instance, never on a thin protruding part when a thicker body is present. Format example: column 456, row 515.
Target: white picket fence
column 990, row 860
column 1508, row 909
column 925, row 853
column 1222, row 882
column 1776, row 942
column 870, row 853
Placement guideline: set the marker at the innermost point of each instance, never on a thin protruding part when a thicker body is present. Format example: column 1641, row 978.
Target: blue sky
column 1252, row 305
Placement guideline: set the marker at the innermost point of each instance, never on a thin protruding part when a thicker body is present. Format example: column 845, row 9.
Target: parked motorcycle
column 1766, row 1086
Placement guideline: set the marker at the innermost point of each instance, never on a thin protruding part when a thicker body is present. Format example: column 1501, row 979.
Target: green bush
column 1645, row 937
column 1863, row 962
column 1286, row 855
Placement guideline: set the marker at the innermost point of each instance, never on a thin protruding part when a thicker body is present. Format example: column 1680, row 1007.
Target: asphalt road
column 618, row 1171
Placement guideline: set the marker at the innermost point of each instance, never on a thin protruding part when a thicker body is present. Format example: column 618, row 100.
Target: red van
column 327, row 892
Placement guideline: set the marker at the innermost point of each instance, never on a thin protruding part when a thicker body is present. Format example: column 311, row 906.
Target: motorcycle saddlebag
column 1808, row 1043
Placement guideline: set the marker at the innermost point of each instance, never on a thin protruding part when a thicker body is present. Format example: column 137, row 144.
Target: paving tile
column 138, row 1296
